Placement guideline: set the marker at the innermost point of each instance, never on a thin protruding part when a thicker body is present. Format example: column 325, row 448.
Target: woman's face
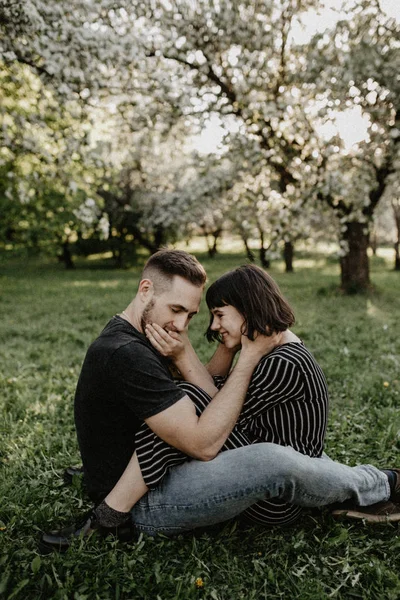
column 228, row 322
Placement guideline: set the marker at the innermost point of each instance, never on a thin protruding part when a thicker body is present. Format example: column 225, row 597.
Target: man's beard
column 146, row 316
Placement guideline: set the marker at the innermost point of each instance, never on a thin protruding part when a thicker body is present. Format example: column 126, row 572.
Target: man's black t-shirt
column 123, row 381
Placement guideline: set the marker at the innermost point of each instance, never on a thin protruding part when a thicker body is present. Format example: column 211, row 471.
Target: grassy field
column 49, row 317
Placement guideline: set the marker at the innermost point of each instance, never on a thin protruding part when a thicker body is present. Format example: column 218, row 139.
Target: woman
column 287, row 400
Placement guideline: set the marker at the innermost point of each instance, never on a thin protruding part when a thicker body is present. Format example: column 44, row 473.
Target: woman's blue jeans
column 199, row 494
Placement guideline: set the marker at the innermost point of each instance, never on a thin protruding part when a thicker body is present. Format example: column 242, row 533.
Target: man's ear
column 146, row 290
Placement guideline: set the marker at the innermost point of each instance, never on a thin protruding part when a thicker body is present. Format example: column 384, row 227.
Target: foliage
column 45, row 183
column 155, row 191
column 353, row 69
column 49, row 318
column 162, row 65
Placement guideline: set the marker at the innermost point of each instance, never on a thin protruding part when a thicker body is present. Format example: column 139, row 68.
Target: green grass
column 49, row 317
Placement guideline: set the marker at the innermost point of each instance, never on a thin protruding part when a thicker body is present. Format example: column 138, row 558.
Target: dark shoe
column 62, row 539
column 381, row 512
column 70, row 473
column 395, row 495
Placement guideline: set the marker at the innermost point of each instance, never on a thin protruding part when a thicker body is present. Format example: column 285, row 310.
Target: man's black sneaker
column 71, row 472
column 62, row 539
column 395, row 495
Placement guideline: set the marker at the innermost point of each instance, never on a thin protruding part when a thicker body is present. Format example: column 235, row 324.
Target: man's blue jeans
column 199, row 494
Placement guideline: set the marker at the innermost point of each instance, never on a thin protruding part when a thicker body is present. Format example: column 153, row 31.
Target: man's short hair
column 256, row 296
column 162, row 266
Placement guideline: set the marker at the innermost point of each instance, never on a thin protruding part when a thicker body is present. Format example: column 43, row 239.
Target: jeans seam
column 216, row 500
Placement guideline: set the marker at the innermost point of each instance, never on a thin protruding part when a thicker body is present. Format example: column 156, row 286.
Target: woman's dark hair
column 256, row 296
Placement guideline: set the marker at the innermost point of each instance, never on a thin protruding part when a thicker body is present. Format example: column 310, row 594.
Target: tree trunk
column 117, row 257
column 396, row 212
column 288, row 253
column 265, row 262
column 355, row 264
column 397, row 256
column 213, row 247
column 249, row 252
column 160, row 239
column 66, row 256
column 373, row 243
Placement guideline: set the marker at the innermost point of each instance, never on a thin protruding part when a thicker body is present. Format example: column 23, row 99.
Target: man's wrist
column 248, row 361
column 185, row 358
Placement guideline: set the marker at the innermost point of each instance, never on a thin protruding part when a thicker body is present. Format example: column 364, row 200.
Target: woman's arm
column 221, row 361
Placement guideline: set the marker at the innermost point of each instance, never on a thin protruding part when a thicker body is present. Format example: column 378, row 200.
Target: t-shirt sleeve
column 146, row 386
column 275, row 380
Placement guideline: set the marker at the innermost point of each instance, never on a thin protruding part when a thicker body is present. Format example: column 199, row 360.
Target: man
column 124, row 382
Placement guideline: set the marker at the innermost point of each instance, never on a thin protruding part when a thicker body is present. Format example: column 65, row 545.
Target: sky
column 317, row 21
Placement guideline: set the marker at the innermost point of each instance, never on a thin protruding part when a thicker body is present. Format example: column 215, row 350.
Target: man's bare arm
column 203, row 437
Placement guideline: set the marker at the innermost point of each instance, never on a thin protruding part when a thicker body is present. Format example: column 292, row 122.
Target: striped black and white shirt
column 286, row 404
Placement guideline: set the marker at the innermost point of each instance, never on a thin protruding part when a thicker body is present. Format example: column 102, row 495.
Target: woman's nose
column 215, row 324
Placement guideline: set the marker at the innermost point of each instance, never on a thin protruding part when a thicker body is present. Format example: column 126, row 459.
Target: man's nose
column 180, row 323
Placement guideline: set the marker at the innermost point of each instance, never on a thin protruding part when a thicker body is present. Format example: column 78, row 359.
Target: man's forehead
column 184, row 293
column 183, row 286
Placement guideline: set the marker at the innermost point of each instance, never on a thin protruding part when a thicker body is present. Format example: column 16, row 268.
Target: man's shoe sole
column 362, row 516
